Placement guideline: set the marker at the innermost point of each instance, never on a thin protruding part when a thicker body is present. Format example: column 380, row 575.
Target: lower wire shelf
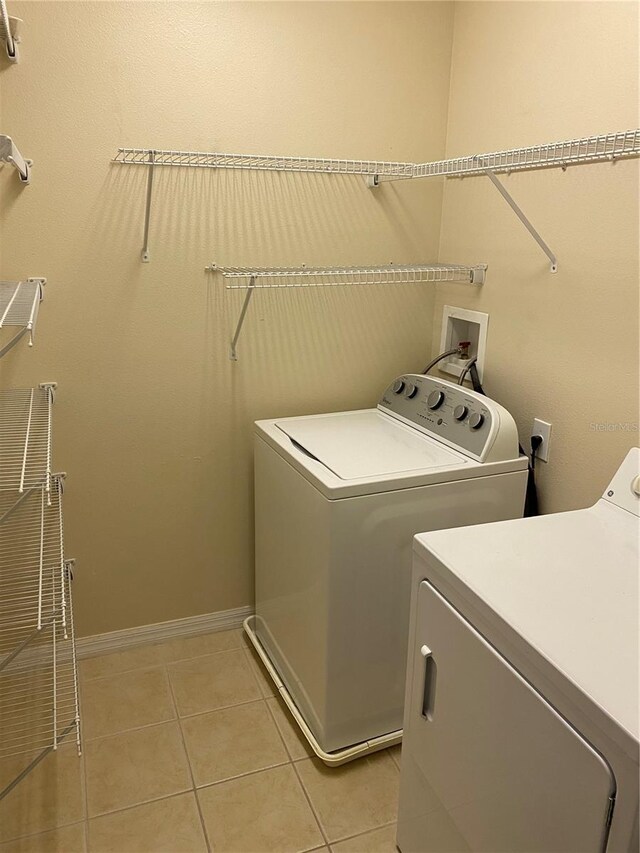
column 251, row 279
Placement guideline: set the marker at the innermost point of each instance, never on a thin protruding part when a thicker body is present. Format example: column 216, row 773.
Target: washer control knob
column 435, row 399
column 398, row 387
column 411, row 391
column 635, row 486
column 476, row 420
column 460, row 412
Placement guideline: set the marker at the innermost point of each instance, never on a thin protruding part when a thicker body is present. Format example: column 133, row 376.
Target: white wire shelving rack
column 25, row 439
column 19, row 305
column 9, row 153
column 38, row 682
column 262, row 278
column 9, row 32
column 611, row 147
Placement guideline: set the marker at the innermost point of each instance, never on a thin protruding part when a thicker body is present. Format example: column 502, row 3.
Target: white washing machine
column 338, row 500
column 521, row 717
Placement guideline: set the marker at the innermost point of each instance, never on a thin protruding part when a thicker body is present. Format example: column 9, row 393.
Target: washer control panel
column 453, row 414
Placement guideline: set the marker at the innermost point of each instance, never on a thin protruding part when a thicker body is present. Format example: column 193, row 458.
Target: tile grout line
column 34, row 835
column 175, row 719
column 292, row 762
column 133, row 806
column 360, row 834
column 160, row 663
column 310, row 801
column 186, row 752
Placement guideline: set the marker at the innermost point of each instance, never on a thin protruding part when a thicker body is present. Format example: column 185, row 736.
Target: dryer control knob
column 635, row 486
column 435, row 399
column 411, row 392
column 398, row 387
column 460, row 412
column 476, row 420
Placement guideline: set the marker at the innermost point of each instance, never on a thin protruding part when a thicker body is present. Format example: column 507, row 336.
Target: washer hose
column 455, row 351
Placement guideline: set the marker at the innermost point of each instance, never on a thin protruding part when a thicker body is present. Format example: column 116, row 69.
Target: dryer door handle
column 429, row 689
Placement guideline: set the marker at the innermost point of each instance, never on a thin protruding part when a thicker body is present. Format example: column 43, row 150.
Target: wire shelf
column 19, row 304
column 589, row 149
column 245, row 278
column 261, row 162
column 39, row 703
column 25, row 439
column 32, row 592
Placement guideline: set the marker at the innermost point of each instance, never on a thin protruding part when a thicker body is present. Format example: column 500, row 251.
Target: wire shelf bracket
column 19, row 304
column 506, row 195
column 9, row 27
column 259, row 278
column 9, row 153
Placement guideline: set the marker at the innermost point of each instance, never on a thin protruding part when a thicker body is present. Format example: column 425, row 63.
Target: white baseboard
column 206, row 623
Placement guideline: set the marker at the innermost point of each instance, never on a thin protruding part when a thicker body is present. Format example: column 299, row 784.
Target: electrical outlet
column 544, row 429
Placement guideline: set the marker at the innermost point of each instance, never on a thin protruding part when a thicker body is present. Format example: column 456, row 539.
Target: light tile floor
column 187, row 749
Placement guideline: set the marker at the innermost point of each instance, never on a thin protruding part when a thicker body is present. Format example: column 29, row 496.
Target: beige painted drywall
column 561, row 347
column 153, row 422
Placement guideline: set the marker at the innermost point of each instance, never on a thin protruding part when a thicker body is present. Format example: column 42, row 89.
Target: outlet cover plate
column 544, row 429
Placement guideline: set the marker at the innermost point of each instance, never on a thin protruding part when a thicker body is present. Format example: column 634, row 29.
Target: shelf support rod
column 144, row 256
column 233, row 355
column 518, row 212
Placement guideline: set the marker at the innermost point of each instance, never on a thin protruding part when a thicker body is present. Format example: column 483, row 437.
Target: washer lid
column 367, row 444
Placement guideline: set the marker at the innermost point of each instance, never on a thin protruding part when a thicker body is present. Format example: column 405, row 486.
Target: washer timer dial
column 435, row 399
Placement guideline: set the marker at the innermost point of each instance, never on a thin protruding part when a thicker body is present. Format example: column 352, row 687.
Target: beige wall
column 561, row 347
column 153, row 422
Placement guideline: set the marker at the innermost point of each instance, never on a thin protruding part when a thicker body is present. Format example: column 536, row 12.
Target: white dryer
column 338, row 499
column 522, row 716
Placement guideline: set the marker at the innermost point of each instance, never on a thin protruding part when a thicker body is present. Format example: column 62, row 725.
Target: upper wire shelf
column 588, row 149
column 9, row 153
column 263, row 162
column 244, row 278
column 19, row 304
column 25, row 439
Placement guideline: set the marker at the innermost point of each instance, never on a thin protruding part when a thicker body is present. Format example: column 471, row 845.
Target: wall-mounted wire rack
column 25, row 437
column 261, row 278
column 589, row 149
column 38, row 681
column 9, row 32
column 9, row 153
column 19, row 304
